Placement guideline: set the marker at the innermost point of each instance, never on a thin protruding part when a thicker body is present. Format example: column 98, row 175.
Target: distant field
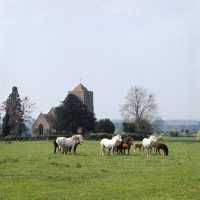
column 30, row 170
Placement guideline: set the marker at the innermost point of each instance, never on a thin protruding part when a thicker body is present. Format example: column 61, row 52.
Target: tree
column 174, row 132
column 182, row 130
column 17, row 112
column 187, row 131
column 5, row 126
column 128, row 127
column 139, row 108
column 73, row 113
column 104, row 126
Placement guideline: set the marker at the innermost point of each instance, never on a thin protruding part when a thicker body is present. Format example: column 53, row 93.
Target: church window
column 40, row 129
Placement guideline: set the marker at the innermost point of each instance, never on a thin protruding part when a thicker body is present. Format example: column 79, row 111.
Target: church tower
column 85, row 95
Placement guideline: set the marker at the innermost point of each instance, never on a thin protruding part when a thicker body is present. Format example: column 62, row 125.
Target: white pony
column 110, row 144
column 64, row 142
column 148, row 144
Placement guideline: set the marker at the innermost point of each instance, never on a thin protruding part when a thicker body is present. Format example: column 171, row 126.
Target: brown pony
column 124, row 144
column 163, row 147
column 127, row 139
column 127, row 146
column 137, row 145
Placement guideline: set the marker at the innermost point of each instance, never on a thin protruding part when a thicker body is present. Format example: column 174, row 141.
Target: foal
column 163, row 147
column 138, row 145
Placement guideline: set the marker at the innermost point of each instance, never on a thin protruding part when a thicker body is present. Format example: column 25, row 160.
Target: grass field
column 30, row 170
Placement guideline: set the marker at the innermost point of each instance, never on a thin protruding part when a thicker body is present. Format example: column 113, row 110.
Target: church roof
column 80, row 87
column 49, row 118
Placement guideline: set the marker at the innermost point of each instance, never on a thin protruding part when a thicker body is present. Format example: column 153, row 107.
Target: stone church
column 44, row 122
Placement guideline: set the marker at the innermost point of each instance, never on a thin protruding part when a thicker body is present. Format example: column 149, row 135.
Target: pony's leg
column 102, row 151
column 150, row 151
column 109, row 151
column 72, row 150
column 59, row 149
column 55, row 150
column 112, row 151
column 142, row 150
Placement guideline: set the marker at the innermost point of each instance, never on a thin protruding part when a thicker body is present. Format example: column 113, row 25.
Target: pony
column 109, row 144
column 159, row 138
column 63, row 142
column 137, row 145
column 65, row 149
column 127, row 139
column 127, row 146
column 124, row 144
column 163, row 147
column 56, row 145
column 147, row 143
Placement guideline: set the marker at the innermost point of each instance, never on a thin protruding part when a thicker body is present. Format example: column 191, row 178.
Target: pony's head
column 159, row 138
column 152, row 138
column 119, row 137
column 78, row 137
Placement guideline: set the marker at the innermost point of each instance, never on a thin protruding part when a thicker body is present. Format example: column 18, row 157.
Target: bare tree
column 27, row 108
column 139, row 107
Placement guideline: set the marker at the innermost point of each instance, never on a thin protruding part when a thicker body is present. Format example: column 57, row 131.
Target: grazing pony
column 147, row 143
column 163, row 147
column 65, row 149
column 137, row 145
column 109, row 144
column 63, row 142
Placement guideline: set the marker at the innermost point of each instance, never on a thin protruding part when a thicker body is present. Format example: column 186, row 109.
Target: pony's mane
column 77, row 136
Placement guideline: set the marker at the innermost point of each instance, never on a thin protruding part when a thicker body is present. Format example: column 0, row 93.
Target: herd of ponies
column 115, row 145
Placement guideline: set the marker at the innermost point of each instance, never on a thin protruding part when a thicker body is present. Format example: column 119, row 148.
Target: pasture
column 30, row 170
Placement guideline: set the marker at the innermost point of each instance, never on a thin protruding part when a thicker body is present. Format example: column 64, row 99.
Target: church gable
column 43, row 125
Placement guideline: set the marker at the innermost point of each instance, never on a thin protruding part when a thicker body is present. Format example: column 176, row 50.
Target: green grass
column 30, row 170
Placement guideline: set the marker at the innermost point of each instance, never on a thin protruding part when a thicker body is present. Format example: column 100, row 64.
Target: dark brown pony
column 163, row 147
column 124, row 144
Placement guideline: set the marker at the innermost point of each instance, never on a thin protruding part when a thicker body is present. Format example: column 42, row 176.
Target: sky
column 47, row 48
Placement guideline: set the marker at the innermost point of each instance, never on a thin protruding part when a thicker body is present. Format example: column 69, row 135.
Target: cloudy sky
column 48, row 47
